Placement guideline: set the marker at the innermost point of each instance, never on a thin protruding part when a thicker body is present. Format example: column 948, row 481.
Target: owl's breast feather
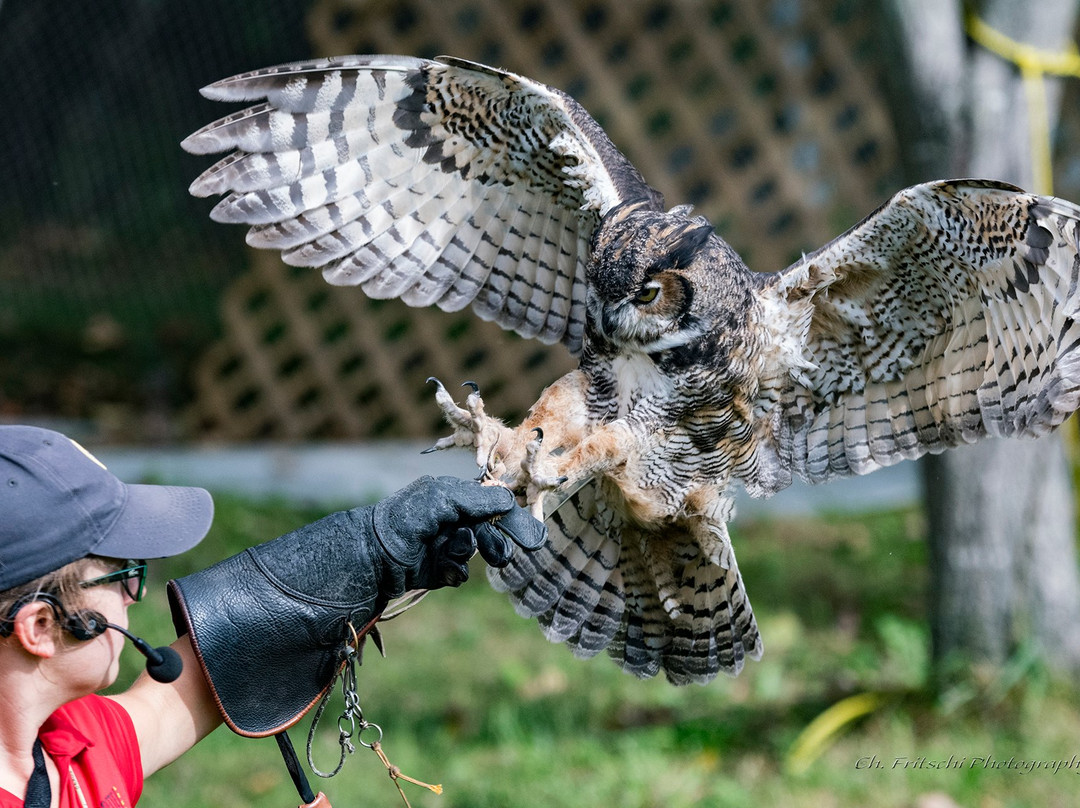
column 637, row 378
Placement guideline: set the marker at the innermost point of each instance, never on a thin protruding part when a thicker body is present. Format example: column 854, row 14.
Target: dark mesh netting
column 110, row 275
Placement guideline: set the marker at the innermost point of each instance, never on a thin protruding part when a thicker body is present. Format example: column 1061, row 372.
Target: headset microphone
column 162, row 663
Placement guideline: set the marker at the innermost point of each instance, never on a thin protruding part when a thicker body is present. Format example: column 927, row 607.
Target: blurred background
column 129, row 314
column 133, row 323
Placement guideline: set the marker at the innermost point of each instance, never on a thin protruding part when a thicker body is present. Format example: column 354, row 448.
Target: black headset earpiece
column 84, row 625
column 66, row 621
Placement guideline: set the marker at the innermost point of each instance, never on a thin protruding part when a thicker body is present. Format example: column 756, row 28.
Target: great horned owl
column 944, row 316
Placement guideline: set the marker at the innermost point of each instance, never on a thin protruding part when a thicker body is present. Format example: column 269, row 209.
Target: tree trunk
column 1001, row 513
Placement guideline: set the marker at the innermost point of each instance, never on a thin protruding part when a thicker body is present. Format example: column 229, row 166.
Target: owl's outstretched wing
column 441, row 182
column 947, row 315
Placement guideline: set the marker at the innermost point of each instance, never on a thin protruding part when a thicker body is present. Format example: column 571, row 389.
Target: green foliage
column 471, row 696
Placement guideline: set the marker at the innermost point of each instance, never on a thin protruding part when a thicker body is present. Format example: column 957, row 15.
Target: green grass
column 471, row 696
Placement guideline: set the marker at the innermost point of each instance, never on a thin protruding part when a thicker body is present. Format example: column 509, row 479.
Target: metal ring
column 360, row 734
column 346, row 733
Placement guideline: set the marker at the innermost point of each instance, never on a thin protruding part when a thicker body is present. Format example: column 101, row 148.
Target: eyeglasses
column 132, row 576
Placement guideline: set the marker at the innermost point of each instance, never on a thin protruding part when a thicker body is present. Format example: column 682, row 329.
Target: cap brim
column 158, row 521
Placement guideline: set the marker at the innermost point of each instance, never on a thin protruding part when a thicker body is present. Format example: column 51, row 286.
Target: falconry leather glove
column 269, row 626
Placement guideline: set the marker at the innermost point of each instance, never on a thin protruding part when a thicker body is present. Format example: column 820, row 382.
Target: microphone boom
column 162, row 663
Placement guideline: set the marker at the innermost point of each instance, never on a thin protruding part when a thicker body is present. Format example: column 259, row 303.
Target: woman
column 68, row 529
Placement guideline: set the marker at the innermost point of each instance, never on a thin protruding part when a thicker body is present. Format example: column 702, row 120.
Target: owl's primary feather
column 946, row 315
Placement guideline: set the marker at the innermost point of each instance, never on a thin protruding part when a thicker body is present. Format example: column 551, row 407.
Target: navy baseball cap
column 58, row 503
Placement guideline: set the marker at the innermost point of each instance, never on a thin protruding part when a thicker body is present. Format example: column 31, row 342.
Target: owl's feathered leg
column 560, row 415
column 536, row 477
column 558, row 421
column 562, row 470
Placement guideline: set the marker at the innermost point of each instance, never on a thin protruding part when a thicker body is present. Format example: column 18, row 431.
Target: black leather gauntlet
column 269, row 625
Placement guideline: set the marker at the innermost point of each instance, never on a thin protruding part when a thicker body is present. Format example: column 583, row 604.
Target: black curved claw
column 429, row 450
column 475, row 387
column 539, row 434
column 431, row 379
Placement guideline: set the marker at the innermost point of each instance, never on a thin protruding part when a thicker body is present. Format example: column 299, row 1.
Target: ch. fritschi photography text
column 957, row 762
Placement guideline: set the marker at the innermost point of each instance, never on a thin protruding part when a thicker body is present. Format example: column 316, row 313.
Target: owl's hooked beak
column 602, row 318
column 608, row 323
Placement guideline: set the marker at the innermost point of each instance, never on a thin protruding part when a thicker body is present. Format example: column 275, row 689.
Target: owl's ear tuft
column 685, row 244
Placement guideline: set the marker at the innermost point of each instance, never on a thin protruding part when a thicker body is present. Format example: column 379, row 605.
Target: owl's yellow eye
column 647, row 295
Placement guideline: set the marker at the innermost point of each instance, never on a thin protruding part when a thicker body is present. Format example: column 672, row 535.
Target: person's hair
column 63, row 584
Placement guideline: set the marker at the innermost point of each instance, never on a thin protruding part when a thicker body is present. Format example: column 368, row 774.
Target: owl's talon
column 537, row 469
column 461, row 420
column 448, row 442
column 471, row 428
column 547, row 482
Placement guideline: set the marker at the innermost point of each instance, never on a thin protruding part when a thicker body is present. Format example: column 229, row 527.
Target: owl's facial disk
column 641, row 292
column 650, row 317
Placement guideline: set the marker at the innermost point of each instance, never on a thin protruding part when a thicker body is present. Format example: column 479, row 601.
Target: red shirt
column 95, row 737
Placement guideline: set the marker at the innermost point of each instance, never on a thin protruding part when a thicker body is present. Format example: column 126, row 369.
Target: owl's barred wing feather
column 947, row 315
column 441, row 182
column 574, row 583
column 594, row 586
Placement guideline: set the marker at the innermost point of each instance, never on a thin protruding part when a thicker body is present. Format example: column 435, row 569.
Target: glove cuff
column 266, row 635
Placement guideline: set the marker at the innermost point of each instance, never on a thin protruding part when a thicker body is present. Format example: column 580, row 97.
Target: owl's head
column 650, row 281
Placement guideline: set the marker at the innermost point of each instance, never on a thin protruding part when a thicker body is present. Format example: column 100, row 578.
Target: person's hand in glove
column 269, row 624
column 432, row 527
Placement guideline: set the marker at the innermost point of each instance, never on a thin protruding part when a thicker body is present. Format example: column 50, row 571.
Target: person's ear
column 36, row 629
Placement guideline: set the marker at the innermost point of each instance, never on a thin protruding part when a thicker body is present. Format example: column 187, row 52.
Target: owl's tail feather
column 596, row 585
column 599, row 627
column 642, row 640
column 573, row 584
column 716, row 630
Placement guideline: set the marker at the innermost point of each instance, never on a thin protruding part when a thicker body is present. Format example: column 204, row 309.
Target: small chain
column 352, row 724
